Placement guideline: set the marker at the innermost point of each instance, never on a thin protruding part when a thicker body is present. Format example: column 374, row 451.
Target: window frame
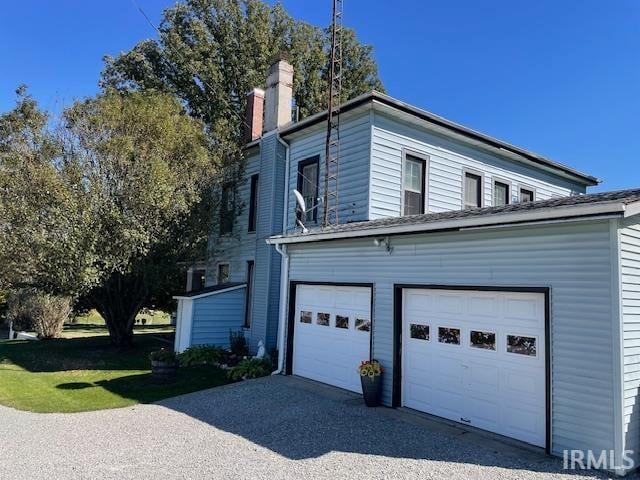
column 480, row 175
column 527, row 188
column 301, row 166
column 222, row 264
column 248, row 308
column 253, row 203
column 418, row 158
column 506, row 183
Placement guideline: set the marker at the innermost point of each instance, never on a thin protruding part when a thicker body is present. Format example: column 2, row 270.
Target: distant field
column 151, row 317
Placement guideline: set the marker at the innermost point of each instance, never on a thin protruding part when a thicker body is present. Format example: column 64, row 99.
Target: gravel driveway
column 273, row 428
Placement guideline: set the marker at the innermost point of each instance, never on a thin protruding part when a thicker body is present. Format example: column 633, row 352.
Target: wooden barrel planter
column 163, row 371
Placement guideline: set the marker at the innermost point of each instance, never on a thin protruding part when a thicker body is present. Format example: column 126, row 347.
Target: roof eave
column 519, row 218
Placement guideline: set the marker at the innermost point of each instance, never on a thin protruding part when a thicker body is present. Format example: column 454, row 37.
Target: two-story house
column 495, row 291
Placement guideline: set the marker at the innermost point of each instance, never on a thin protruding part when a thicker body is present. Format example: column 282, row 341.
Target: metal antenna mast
column 332, row 143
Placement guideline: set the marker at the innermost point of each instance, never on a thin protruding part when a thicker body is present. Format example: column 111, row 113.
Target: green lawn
column 82, row 374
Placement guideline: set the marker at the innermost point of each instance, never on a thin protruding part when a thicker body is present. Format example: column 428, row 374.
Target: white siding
column 630, row 302
column 448, row 160
column 573, row 260
column 353, row 184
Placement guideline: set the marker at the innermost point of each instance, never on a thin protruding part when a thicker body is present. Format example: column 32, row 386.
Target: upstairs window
column 253, row 203
column 526, row 195
column 308, row 188
column 223, row 273
column 472, row 190
column 227, row 209
column 413, row 185
column 500, row 194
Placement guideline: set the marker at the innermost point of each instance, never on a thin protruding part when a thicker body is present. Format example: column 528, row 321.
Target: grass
column 84, row 374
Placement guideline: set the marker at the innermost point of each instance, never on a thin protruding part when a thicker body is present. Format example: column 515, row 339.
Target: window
column 198, row 278
column 419, row 332
column 226, row 209
column 305, row 317
column 448, row 335
column 363, row 324
column 483, row 340
column 308, row 188
column 413, row 185
column 500, row 194
column 223, row 273
column 323, row 319
column 253, row 203
column 249, row 305
column 522, row 345
column 526, row 195
column 342, row 321
column 472, row 190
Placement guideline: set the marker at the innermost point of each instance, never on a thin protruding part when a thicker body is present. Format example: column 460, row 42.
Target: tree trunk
column 119, row 299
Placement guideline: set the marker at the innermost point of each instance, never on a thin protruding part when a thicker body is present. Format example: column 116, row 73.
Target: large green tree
column 105, row 205
column 212, row 52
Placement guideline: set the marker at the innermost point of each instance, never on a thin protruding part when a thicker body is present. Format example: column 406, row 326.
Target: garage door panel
column 494, row 379
column 331, row 353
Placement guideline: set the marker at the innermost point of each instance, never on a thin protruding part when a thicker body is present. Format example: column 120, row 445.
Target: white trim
column 632, row 209
column 184, row 325
column 207, row 294
column 542, row 214
column 617, row 335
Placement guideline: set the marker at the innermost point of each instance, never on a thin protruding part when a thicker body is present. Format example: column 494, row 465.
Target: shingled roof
column 555, row 208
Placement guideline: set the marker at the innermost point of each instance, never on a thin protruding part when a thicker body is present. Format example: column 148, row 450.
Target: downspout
column 284, row 265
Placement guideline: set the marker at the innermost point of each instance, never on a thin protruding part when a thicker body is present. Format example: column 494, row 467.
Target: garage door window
column 342, row 321
column 323, row 319
column 363, row 324
column 483, row 340
column 419, row 332
column 522, row 345
column 305, row 317
column 450, row 336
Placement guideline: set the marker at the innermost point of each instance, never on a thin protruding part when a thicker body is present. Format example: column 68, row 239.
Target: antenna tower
column 332, row 143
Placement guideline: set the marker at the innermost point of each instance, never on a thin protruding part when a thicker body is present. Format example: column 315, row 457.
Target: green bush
column 202, row 355
column 33, row 310
column 251, row 368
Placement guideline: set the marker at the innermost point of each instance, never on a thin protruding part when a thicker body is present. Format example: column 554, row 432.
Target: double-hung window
column 253, row 203
column 413, row 185
column 308, row 187
column 472, row 190
column 223, row 273
column 501, row 193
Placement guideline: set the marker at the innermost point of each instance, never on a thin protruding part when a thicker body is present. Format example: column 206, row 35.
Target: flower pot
column 163, row 370
column 371, row 390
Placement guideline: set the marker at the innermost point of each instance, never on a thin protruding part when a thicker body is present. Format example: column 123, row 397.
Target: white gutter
column 542, row 214
column 284, row 266
column 206, row 294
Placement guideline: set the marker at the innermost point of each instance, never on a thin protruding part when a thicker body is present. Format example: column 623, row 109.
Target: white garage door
column 332, row 333
column 477, row 358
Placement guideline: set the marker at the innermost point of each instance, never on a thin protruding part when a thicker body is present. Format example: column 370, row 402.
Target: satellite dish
column 300, row 200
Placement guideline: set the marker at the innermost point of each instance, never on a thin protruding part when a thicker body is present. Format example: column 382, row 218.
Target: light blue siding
column 630, row 303
column 353, row 184
column 447, row 161
column 214, row 316
column 573, row 260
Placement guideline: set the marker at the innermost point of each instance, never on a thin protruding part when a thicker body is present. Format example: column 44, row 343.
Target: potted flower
column 371, row 379
column 164, row 364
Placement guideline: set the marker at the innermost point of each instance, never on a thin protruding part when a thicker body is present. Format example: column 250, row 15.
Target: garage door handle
column 465, row 420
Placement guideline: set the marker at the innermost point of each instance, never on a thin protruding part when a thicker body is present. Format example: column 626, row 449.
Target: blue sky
column 561, row 78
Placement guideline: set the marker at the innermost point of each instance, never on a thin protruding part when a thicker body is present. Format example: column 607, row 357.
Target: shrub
column 238, row 344
column 163, row 355
column 202, row 355
column 44, row 313
column 251, row 368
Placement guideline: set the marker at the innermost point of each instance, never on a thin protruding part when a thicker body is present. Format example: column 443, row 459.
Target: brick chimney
column 279, row 95
column 253, row 115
